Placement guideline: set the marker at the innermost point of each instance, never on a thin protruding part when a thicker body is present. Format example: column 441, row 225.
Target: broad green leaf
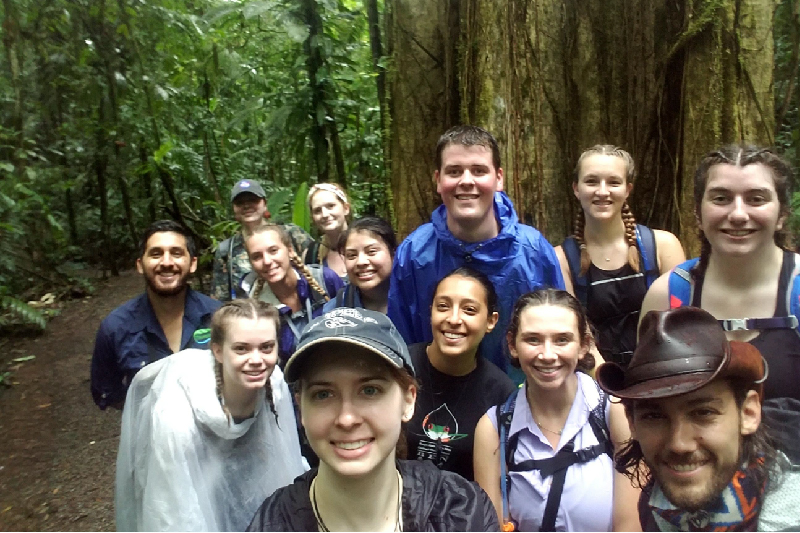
column 301, row 215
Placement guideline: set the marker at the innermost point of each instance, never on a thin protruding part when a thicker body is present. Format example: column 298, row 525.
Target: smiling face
column 368, row 260
column 249, row 209
column 691, row 443
column 548, row 345
column 166, row 263
column 467, row 181
column 329, row 212
column 602, row 185
column 352, row 409
column 740, row 211
column 248, row 354
column 269, row 256
column 460, row 318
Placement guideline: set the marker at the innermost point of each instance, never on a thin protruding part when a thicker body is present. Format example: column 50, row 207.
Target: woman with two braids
column 208, row 434
column 280, row 278
column 609, row 261
column 745, row 275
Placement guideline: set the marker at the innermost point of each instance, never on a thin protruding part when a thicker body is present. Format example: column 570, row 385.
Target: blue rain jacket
column 517, row 261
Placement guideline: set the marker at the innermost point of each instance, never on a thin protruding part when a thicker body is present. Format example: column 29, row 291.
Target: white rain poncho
column 183, row 466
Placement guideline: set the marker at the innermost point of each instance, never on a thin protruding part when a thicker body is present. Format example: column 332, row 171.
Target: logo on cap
column 244, row 184
column 338, row 322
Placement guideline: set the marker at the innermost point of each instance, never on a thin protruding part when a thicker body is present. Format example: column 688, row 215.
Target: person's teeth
column 685, row 467
column 352, row 445
column 449, row 335
column 547, row 370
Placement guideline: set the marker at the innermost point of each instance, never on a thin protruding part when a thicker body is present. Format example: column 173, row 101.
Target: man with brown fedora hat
column 698, row 448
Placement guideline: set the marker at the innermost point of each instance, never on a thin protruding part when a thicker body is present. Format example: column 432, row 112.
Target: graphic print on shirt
column 441, row 428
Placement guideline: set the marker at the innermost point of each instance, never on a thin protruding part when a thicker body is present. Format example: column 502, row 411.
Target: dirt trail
column 57, row 449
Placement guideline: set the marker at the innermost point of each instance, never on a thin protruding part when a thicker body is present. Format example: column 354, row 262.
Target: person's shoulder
column 419, row 354
column 450, row 500
column 493, row 379
column 420, row 237
column 127, row 314
column 287, row 509
column 203, row 302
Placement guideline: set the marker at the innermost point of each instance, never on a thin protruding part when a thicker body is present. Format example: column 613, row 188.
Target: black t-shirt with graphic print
column 448, row 409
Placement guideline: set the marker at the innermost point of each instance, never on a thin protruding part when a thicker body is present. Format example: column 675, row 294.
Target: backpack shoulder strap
column 681, row 284
column 504, row 412
column 311, row 254
column 573, row 254
column 646, row 242
column 225, row 248
column 318, row 274
column 793, row 293
column 340, row 296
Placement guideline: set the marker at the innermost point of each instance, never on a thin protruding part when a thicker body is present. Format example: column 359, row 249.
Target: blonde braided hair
column 627, row 215
column 247, row 308
column 299, row 265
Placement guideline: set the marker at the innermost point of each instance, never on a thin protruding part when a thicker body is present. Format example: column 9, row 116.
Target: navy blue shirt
column 131, row 337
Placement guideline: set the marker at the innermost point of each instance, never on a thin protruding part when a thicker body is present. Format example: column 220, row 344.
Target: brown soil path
column 57, row 449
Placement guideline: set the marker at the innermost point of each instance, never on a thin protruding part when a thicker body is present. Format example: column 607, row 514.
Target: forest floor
column 57, row 449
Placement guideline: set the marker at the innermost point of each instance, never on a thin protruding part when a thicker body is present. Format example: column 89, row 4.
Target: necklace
column 550, row 430
column 321, row 523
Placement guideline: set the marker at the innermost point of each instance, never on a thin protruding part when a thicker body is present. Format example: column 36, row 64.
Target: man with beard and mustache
column 167, row 318
column 698, row 447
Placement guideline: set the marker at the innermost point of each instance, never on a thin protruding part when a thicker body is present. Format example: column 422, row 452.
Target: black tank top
column 780, row 347
column 613, row 301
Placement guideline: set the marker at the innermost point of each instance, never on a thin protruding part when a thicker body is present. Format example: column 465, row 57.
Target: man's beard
column 168, row 291
column 694, row 498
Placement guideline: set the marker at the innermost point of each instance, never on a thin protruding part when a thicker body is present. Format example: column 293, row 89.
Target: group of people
column 474, row 377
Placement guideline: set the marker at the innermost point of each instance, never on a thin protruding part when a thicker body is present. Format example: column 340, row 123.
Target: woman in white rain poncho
column 205, row 438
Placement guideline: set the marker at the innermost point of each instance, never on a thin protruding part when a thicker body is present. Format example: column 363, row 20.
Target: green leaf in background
column 277, row 200
column 301, row 215
column 23, row 359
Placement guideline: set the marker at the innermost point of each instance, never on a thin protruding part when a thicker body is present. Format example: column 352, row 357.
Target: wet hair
column 740, row 156
column 627, row 215
column 466, row 135
column 246, row 308
column 376, row 226
column 296, row 262
column 400, row 375
column 163, row 226
column 757, row 448
column 561, row 299
column 481, row 278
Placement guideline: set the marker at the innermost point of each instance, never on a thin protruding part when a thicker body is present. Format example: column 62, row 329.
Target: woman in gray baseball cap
column 355, row 386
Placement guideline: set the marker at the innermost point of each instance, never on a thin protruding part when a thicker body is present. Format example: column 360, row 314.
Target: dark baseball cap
column 250, row 186
column 680, row 351
column 370, row 330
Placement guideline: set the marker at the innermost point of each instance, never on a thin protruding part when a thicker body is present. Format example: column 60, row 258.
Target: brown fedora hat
column 679, row 351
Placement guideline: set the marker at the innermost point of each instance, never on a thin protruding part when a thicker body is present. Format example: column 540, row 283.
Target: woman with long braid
column 208, row 434
column 745, row 275
column 280, row 278
column 609, row 261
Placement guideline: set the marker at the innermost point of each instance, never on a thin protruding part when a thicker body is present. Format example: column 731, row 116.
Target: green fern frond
column 23, row 310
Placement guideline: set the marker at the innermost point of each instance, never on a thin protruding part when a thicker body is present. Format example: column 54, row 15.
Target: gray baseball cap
column 367, row 329
column 250, row 186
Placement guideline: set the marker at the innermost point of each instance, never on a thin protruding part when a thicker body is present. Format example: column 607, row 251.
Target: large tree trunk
column 423, row 100
column 667, row 81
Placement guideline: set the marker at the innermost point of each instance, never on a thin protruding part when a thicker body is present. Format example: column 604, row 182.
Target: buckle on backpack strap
column 734, row 324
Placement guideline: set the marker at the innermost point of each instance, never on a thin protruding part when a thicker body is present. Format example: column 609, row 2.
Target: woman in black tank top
column 612, row 267
column 742, row 199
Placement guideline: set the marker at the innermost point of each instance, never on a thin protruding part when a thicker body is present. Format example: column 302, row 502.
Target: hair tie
column 330, row 188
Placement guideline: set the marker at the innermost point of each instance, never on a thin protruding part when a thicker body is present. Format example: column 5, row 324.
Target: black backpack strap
column 573, row 254
column 504, row 413
column 556, row 490
column 311, row 254
column 340, row 297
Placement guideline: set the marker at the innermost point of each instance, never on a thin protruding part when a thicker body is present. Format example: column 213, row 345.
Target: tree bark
column 668, row 81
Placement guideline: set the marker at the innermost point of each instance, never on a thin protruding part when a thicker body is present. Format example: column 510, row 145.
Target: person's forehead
column 166, row 239
column 753, row 176
column 719, row 391
column 459, row 154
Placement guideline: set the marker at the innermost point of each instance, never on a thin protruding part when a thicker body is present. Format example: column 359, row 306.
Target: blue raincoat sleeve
column 404, row 309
